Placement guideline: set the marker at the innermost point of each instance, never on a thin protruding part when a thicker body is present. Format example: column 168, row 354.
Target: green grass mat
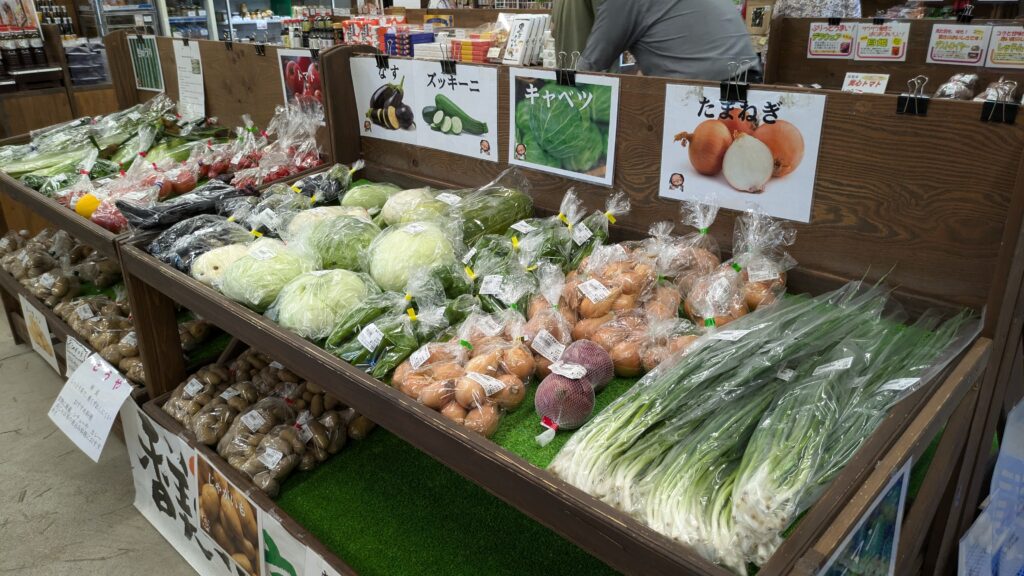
column 386, row 508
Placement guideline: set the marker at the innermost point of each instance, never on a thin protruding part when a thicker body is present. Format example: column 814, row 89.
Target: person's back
column 695, row 39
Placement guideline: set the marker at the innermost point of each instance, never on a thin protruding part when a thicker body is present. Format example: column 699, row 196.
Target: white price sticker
column 271, row 457
column 762, row 270
column 193, row 387
column 305, row 434
column 414, row 228
column 229, row 393
column 488, row 326
column 74, row 354
column 899, row 384
column 569, row 370
column 469, row 256
column 276, row 364
column 130, row 339
column 84, row 312
column 490, row 385
column 370, row 337
column 47, row 280
column 419, row 357
column 448, row 198
column 261, row 25
column 730, row 335
column 841, row 364
column 262, row 252
column 491, row 284
column 523, row 226
column 786, row 374
column 546, row 345
column 594, row 290
column 580, row 233
column 253, row 420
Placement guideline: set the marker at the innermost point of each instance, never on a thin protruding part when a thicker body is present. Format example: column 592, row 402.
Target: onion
column 786, row 144
column 707, row 146
column 595, row 359
column 483, row 419
column 736, row 123
column 748, row 164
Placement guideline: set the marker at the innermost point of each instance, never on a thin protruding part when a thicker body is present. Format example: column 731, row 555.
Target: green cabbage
column 258, row 277
column 370, row 196
column 339, row 242
column 209, row 268
column 314, row 302
column 308, row 218
column 402, row 250
column 601, row 106
column 558, row 126
column 590, row 151
column 399, row 206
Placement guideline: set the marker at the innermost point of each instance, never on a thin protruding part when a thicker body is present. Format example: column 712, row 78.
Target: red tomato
column 293, row 77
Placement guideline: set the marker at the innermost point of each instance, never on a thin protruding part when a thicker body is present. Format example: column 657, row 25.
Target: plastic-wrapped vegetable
column 401, row 250
column 327, row 187
column 182, row 243
column 371, row 197
column 666, row 338
column 548, row 331
column 364, row 312
column 413, row 204
column 542, row 240
column 213, row 419
column 492, row 208
column 301, row 223
column 314, row 302
column 209, row 267
column 758, row 247
column 244, row 435
column 592, row 231
column 257, row 278
column 202, row 200
column 717, row 299
column 277, row 206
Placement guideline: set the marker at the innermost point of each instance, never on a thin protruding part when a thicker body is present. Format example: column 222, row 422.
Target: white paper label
column 263, row 252
column 594, row 290
column 546, row 345
column 229, row 393
column 523, row 226
column 88, row 403
column 569, row 370
column 253, row 420
column 730, row 335
column 841, row 364
column 74, row 354
column 448, row 198
column 762, row 270
column 491, row 284
column 419, row 357
column 414, row 228
column 192, row 388
column 271, row 457
column 469, row 256
column 490, row 385
column 261, row 25
column 786, row 374
column 47, row 280
column 130, row 339
column 305, row 434
column 276, row 364
column 580, row 233
column 488, row 326
column 899, row 384
column 84, row 312
column 370, row 337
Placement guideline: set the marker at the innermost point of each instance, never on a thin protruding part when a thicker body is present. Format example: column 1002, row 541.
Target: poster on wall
column 19, row 16
column 228, row 516
column 826, row 41
column 564, row 130
column 38, row 332
column 458, row 112
column 763, row 151
column 386, row 99
column 960, row 44
column 872, row 546
column 1006, row 47
column 163, row 472
column 283, row 555
column 882, row 42
column 191, row 94
column 300, row 75
column 145, row 59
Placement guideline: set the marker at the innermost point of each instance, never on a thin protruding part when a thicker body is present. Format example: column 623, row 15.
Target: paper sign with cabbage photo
column 565, row 130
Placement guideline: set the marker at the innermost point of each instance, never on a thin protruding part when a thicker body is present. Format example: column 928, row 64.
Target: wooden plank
column 788, row 62
column 156, row 328
column 122, row 75
column 95, row 100
column 22, row 112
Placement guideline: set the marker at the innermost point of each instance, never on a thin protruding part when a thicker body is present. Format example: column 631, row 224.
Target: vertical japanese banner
column 163, row 470
column 564, row 130
column 228, row 516
column 458, row 112
column 872, row 546
column 882, row 42
column 1006, row 47
column 961, row 44
column 763, row 151
column 283, row 555
column 825, row 41
column 386, row 99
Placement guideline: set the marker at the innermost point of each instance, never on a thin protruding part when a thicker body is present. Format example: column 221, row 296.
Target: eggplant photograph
column 387, row 109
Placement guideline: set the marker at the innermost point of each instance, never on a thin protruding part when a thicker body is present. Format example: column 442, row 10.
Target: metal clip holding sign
column 1003, row 109
column 735, row 88
column 565, row 75
column 835, row 21
column 447, row 62
column 261, row 49
column 229, row 45
column 382, row 61
column 914, row 102
column 879, row 18
column 966, row 15
column 314, row 53
column 138, row 37
column 184, row 42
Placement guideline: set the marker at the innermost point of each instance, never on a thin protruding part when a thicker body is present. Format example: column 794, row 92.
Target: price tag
column 229, row 393
column 88, row 403
column 899, row 384
column 523, row 226
column 271, row 457
column 47, row 280
column 786, row 374
column 192, row 388
column 580, row 233
column 594, row 290
column 262, row 252
column 419, row 357
column 415, row 228
column 469, row 256
column 488, row 326
column 370, row 337
column 569, row 370
column 261, row 25
column 448, row 198
column 84, row 312
column 730, row 335
column 253, row 420
column 762, row 270
column 491, row 284
column 859, row 83
column 546, row 345
column 130, row 339
column 490, row 385
column 74, row 354
column 305, row 434
column 841, row 364
column 276, row 364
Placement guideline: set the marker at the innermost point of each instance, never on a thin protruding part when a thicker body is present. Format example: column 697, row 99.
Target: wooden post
column 156, row 328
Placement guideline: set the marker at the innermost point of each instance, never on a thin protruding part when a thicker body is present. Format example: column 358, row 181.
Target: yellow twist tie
column 469, row 272
column 257, row 233
column 296, row 189
column 515, row 243
column 411, row 313
column 563, row 219
column 610, row 217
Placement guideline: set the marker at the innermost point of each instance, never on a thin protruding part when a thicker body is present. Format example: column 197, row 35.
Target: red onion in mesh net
column 563, row 403
column 595, row 359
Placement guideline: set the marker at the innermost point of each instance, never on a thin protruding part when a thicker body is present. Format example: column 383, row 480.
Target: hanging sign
column 771, row 161
column 145, row 59
column 458, row 112
column 191, row 97
column 961, row 44
column 88, row 403
column 386, row 99
column 564, row 130
column 300, row 75
column 1006, row 47
column 882, row 42
column 228, row 516
column 825, row 41
column 862, row 83
column 875, row 540
column 38, row 332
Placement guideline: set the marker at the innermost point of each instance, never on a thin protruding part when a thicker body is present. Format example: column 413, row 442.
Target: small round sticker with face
column 485, row 147
column 675, row 181
column 520, row 151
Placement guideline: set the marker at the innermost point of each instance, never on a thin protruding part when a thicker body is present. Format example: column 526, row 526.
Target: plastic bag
column 696, row 254
column 212, row 421
column 277, row 206
column 494, row 207
column 758, row 246
column 1001, row 90
column 314, row 302
column 592, row 231
column 563, row 403
column 548, row 330
column 336, row 247
column 248, row 143
column 198, row 390
column 202, row 200
column 56, row 285
column 182, row 243
column 239, row 443
column 666, row 338
column 622, row 337
column 324, row 188
column 12, row 240
column 257, row 278
column 717, row 299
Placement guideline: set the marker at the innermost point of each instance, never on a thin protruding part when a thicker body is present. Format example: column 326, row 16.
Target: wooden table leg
column 156, row 328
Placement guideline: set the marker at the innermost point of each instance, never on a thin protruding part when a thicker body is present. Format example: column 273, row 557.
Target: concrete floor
column 60, row 513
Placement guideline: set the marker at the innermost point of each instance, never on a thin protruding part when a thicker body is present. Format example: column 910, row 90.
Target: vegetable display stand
column 787, row 60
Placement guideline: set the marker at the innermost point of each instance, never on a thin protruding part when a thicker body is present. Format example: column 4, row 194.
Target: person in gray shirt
column 693, row 39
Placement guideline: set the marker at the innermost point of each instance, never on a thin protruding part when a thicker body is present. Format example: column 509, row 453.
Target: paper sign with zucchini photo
column 458, row 112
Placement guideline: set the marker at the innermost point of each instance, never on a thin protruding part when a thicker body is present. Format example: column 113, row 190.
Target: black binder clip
column 835, row 21
column 382, row 61
column 184, row 42
column 229, row 45
column 314, row 53
column 914, row 102
column 966, row 15
column 261, row 49
column 1003, row 108
column 735, row 88
column 447, row 62
column 879, row 18
column 138, row 37
column 565, row 74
